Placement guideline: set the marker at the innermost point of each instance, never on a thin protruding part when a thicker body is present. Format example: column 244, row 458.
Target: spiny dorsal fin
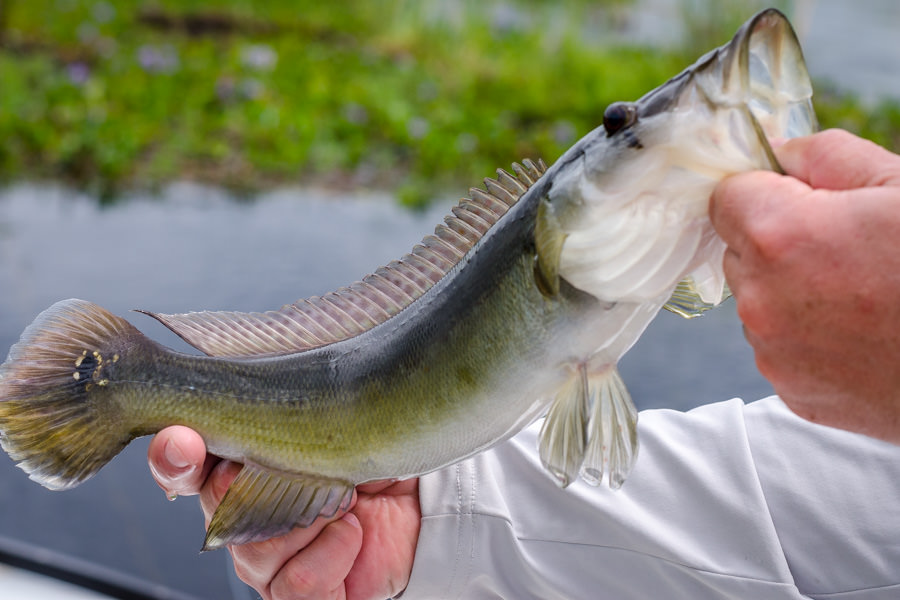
column 351, row 310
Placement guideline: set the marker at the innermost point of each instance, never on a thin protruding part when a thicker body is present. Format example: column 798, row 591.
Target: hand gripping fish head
column 519, row 305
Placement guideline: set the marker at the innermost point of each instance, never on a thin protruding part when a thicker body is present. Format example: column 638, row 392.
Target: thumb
column 744, row 204
column 838, row 160
column 178, row 461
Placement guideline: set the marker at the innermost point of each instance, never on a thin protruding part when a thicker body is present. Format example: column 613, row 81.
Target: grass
column 407, row 95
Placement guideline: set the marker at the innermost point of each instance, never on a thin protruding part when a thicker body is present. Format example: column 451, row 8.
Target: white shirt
column 726, row 501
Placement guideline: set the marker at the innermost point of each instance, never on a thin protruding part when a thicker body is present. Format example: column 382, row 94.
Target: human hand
column 366, row 553
column 813, row 261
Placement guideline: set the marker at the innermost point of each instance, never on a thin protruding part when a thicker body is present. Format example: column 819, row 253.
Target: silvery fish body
column 519, row 305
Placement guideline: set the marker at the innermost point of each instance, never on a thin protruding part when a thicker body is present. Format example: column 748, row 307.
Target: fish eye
column 618, row 116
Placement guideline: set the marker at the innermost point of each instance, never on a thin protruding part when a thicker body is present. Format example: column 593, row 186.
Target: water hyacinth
column 356, row 113
column 78, row 73
column 228, row 89
column 259, row 57
column 417, row 128
column 158, row 59
column 483, row 80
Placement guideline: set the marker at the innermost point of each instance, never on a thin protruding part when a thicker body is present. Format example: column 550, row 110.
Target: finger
column 838, row 160
column 178, row 461
column 739, row 201
column 320, row 569
column 389, row 487
column 217, row 483
column 258, row 563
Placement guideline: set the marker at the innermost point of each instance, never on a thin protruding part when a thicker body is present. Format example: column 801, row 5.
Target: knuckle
column 750, row 309
column 251, row 565
column 764, row 365
column 254, row 555
column 769, row 237
column 244, row 572
column 761, row 315
column 302, row 580
column 835, row 136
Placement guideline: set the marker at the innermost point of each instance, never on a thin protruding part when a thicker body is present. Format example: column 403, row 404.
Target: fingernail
column 175, row 456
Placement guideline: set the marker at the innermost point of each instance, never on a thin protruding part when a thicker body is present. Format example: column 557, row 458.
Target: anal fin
column 590, row 429
column 261, row 504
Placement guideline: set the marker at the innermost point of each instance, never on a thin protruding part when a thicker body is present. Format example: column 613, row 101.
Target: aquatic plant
column 418, row 97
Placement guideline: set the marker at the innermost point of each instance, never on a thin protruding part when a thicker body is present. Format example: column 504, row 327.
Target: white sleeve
column 725, row 501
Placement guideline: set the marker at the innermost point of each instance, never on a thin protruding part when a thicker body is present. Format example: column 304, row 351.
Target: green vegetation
column 413, row 96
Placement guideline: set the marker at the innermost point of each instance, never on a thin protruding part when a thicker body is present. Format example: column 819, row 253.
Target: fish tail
column 58, row 417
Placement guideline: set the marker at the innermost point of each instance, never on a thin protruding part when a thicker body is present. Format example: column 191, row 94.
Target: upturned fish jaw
column 756, row 86
column 715, row 118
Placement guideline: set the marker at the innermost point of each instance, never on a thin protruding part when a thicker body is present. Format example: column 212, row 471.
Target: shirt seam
column 527, row 540
column 762, row 494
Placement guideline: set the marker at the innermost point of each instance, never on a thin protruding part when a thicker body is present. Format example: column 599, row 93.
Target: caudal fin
column 57, row 417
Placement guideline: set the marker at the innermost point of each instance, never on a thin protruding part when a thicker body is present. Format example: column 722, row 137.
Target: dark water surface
column 194, row 248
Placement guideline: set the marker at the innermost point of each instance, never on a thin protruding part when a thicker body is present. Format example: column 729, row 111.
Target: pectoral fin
column 262, row 504
column 548, row 239
column 591, row 429
column 687, row 300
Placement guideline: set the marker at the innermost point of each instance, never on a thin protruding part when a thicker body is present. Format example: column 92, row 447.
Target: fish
column 518, row 306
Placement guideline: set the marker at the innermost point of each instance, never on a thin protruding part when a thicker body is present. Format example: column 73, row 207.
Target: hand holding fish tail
column 179, row 461
column 814, row 264
column 365, row 553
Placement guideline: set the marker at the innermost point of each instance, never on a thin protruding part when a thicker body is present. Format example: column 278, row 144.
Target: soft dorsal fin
column 349, row 311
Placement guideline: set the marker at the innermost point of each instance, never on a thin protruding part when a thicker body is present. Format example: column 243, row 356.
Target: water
column 196, row 248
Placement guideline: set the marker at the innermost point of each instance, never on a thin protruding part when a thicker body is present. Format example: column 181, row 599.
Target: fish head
column 732, row 101
column 632, row 196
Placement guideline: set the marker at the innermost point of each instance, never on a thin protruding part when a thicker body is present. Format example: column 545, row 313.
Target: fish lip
column 723, row 76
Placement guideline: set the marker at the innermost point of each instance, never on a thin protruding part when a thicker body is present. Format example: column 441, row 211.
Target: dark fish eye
column 618, row 116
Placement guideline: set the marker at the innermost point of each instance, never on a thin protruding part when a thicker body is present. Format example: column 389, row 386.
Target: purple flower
column 78, row 72
column 158, row 59
column 259, row 57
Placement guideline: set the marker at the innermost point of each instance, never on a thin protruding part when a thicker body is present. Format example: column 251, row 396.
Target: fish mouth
column 760, row 75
